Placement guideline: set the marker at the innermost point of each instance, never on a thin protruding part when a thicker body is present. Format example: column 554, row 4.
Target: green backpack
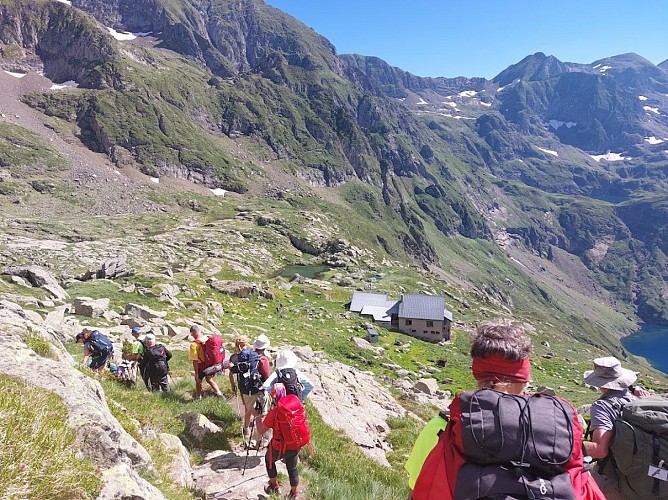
column 640, row 448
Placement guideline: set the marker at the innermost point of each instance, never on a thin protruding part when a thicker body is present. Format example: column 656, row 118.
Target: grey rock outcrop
column 354, row 402
column 40, row 278
column 106, row 443
column 179, row 469
column 239, row 289
column 121, row 482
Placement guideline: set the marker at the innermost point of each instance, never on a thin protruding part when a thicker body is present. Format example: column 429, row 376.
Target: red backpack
column 291, row 430
column 214, row 351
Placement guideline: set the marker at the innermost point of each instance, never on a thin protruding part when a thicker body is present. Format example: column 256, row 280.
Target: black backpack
column 288, row 377
column 515, row 446
column 100, row 343
column 248, row 376
column 639, row 450
column 156, row 357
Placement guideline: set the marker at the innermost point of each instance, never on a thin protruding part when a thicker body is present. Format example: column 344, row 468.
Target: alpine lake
column 650, row 342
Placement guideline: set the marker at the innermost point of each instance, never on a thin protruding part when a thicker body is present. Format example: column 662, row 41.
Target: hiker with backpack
column 157, row 364
column 207, row 355
column 135, row 354
column 294, row 380
column 628, row 436
column 96, row 346
column 252, row 369
column 500, row 442
column 290, row 433
column 240, row 343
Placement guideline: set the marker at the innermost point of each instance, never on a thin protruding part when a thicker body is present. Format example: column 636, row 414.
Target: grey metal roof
column 361, row 299
column 418, row 306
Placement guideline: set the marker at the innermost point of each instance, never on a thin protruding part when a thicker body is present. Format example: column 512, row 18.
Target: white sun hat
column 286, row 359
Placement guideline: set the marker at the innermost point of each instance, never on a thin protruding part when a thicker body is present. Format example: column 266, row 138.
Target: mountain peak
column 537, row 66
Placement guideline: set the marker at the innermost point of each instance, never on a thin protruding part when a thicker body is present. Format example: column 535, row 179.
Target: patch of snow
column 65, row 1
column 488, row 104
column 68, row 84
column 155, row 180
column 548, row 151
column 16, row 75
column 421, row 102
column 219, row 191
column 515, row 81
column 603, row 69
column 452, row 104
column 449, row 97
column 642, row 97
column 650, row 108
column 402, row 99
column 597, row 66
column 117, row 172
column 609, row 157
column 555, row 124
column 125, row 36
column 467, row 93
column 653, row 140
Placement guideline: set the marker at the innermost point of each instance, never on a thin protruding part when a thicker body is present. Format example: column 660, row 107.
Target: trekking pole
column 248, row 445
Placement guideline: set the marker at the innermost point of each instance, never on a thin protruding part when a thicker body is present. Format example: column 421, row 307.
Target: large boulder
column 40, row 278
column 239, row 289
column 91, row 308
column 198, row 426
column 426, row 385
column 143, row 312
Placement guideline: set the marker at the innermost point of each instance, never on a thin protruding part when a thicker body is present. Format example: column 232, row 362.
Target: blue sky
column 483, row 37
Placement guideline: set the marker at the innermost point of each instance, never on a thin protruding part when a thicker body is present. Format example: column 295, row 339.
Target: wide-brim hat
column 286, row 359
column 609, row 374
column 262, row 342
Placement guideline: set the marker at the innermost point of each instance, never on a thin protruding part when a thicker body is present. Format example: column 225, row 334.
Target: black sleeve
column 168, row 354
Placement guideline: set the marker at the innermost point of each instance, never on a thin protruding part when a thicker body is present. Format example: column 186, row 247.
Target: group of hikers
column 495, row 442
column 272, row 400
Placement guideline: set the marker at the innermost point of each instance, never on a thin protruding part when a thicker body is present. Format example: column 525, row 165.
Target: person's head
column 277, row 392
column 261, row 343
column 286, row 359
column 608, row 375
column 195, row 331
column 136, row 330
column 83, row 335
column 500, row 353
column 150, row 340
column 241, row 343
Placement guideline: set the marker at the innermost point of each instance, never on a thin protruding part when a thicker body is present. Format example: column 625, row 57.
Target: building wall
column 432, row 331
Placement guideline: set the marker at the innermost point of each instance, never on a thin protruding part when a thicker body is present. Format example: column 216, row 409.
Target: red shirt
column 264, row 368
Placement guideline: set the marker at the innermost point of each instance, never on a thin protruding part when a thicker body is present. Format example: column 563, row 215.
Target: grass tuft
column 37, row 457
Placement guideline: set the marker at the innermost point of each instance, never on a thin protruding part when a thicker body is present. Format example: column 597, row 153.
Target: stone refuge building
column 421, row 316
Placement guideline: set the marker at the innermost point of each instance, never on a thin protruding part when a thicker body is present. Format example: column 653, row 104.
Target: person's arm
column 638, row 391
column 599, row 446
column 263, row 368
column 264, row 424
column 307, row 385
column 86, row 355
column 269, row 383
column 168, row 354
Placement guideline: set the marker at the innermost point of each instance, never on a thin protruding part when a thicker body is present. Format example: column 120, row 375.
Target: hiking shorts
column 250, row 399
column 98, row 360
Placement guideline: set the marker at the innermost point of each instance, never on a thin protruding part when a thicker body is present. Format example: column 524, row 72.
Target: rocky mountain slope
column 217, row 94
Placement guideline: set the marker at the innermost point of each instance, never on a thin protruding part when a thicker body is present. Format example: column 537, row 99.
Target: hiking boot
column 219, row 394
column 270, row 489
column 291, row 496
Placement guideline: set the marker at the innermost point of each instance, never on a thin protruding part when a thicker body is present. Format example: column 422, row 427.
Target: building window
column 424, row 332
column 409, row 322
column 430, row 324
column 413, row 331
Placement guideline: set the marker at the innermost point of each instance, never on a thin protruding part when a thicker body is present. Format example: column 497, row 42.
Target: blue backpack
column 100, row 343
column 248, row 376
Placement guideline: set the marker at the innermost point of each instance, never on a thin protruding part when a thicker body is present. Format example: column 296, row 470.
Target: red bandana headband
column 497, row 369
